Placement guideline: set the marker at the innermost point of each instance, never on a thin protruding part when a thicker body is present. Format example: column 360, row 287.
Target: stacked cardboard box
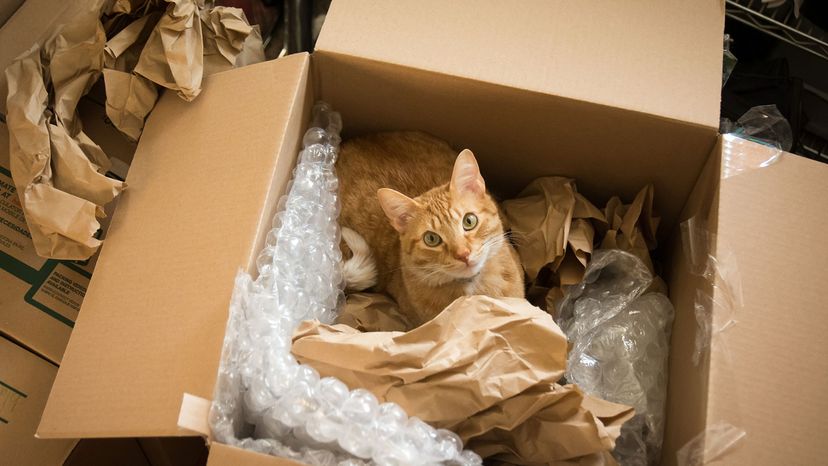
column 25, row 381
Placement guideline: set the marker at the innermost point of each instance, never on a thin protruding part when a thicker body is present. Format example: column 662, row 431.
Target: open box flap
column 656, row 57
column 768, row 371
column 201, row 193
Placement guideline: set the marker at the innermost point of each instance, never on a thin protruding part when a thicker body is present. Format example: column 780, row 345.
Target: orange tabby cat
column 445, row 241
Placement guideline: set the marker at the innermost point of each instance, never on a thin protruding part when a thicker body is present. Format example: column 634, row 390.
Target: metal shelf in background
column 782, row 23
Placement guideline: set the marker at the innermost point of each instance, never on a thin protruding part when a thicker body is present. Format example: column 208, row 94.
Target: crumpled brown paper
column 173, row 56
column 541, row 218
column 174, row 49
column 485, row 368
column 57, row 169
column 632, row 227
column 372, row 312
column 229, row 41
column 556, row 230
column 129, row 96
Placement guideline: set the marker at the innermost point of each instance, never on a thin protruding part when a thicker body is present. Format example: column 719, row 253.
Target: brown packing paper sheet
column 541, row 218
column 552, row 226
column 173, row 55
column 129, row 100
column 187, row 39
column 555, row 230
column 486, row 368
column 632, row 227
column 372, row 312
column 560, row 413
column 229, row 41
column 174, row 49
column 129, row 96
column 57, row 170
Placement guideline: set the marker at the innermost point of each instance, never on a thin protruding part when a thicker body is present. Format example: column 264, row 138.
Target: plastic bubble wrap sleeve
column 265, row 400
column 620, row 344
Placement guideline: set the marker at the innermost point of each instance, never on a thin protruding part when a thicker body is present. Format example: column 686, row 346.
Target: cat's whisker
column 515, row 237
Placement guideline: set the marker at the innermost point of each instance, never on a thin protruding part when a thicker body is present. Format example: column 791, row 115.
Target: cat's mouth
column 467, row 270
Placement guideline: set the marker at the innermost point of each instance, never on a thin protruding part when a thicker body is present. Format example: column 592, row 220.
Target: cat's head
column 448, row 233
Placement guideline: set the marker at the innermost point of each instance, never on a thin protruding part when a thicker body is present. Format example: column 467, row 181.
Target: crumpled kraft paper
column 187, row 36
column 174, row 49
column 173, row 56
column 129, row 96
column 556, row 230
column 57, row 169
column 229, row 41
column 372, row 312
column 485, row 368
column 541, row 222
column 632, row 228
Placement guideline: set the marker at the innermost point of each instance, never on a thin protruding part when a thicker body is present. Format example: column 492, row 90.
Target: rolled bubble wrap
column 265, row 400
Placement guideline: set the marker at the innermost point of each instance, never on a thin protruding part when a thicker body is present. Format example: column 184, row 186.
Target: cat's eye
column 432, row 239
column 469, row 221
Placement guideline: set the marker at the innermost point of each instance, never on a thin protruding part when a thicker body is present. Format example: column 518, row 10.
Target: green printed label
column 57, row 287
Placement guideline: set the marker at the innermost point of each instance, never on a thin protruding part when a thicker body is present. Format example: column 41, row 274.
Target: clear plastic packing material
column 620, row 337
column 711, row 444
column 764, row 125
column 265, row 400
column 728, row 59
column 718, row 302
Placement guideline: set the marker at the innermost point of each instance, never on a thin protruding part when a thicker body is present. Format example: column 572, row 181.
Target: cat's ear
column 399, row 208
column 465, row 178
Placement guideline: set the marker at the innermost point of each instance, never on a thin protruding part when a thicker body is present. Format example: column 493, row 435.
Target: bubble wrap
column 267, row 402
column 620, row 338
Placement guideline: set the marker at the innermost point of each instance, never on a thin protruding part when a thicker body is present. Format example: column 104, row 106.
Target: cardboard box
column 613, row 94
column 25, row 381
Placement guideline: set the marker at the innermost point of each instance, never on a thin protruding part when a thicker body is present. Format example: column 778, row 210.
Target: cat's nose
column 462, row 255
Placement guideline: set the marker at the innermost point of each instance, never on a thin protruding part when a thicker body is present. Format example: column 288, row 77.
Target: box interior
column 518, row 135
